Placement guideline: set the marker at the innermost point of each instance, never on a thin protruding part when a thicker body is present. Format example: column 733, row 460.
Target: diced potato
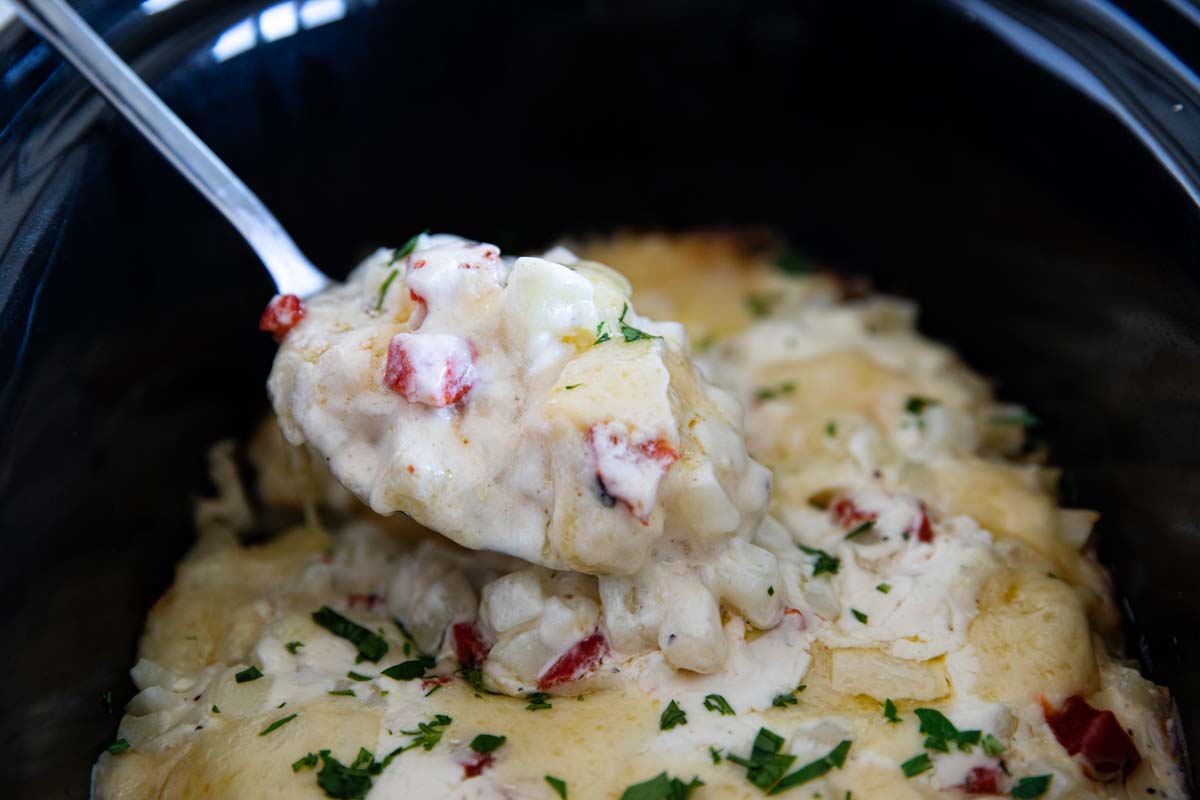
column 881, row 676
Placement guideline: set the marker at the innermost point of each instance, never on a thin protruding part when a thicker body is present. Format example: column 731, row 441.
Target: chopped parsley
column 785, row 700
column 347, row 783
column 770, row 591
column 539, row 701
column 672, row 716
column 251, row 673
column 343, row 693
column 407, row 248
column 371, row 646
column 601, row 334
column 216, row 710
column 916, row 765
column 573, row 386
column 410, row 670
column 1032, row 786
column 355, row 676
column 558, row 785
column 277, row 724
column 384, row 287
column 831, row 429
column 940, row 732
column 991, row 745
column 118, row 747
column 767, row 768
column 661, row 787
column 304, row 762
column 714, row 754
column 763, row 395
column 825, row 562
column 916, row 405
column 859, row 530
column 715, row 702
column 760, row 305
column 889, row 711
column 630, row 333
column 883, row 588
column 436, row 686
column 426, row 736
column 1022, row 418
column 474, row 679
column 292, row 647
column 487, row 742
column 814, row 769
column 860, row 616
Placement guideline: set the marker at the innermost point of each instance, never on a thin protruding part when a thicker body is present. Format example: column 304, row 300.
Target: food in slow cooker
column 906, row 614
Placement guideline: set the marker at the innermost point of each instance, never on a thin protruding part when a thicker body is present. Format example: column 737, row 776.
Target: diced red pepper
column 282, row 314
column 1108, row 753
column 846, row 514
column 982, row 780
column 469, row 647
column 582, row 658
column 437, row 370
column 477, row 763
column 921, row 527
column 629, row 471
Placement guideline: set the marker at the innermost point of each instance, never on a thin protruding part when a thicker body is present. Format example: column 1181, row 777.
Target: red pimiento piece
column 469, row 647
column 572, row 665
column 436, row 680
column 282, row 314
column 982, row 780
column 477, row 763
column 921, row 527
column 846, row 514
column 1108, row 753
column 433, row 369
column 629, row 470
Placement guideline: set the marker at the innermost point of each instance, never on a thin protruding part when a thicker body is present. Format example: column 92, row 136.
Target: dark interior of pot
column 1042, row 240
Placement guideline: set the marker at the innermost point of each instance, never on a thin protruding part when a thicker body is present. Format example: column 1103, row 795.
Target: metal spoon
column 59, row 25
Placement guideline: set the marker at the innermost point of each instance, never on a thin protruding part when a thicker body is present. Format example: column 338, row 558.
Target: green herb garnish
column 279, row 723
column 601, row 334
column 304, row 762
column 340, row 781
column 815, row 769
column 916, row 765
column 661, row 787
column 251, row 673
column 858, row 615
column 216, row 710
column 410, row 670
column 538, row 701
column 889, row 711
column 672, row 716
column 767, row 767
column 118, row 747
column 354, row 676
column 715, row 702
column 825, row 562
column 883, row 588
column 940, row 731
column 630, row 333
column 292, row 647
column 859, row 530
column 1032, row 786
column 343, row 693
column 558, row 785
column 573, row 386
column 487, row 742
column 991, row 745
column 407, row 248
column 831, row 429
column 384, row 287
column 916, row 405
column 371, row 646
column 714, row 754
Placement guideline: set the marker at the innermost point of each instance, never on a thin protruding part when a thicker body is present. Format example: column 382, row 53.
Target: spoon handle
column 59, row 25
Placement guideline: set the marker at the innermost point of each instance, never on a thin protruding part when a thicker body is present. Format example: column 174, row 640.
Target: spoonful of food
column 59, row 25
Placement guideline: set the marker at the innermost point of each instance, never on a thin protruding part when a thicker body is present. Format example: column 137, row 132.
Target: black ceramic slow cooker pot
column 1027, row 171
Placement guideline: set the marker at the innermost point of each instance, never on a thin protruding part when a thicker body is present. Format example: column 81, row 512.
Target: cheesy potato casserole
column 781, row 545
